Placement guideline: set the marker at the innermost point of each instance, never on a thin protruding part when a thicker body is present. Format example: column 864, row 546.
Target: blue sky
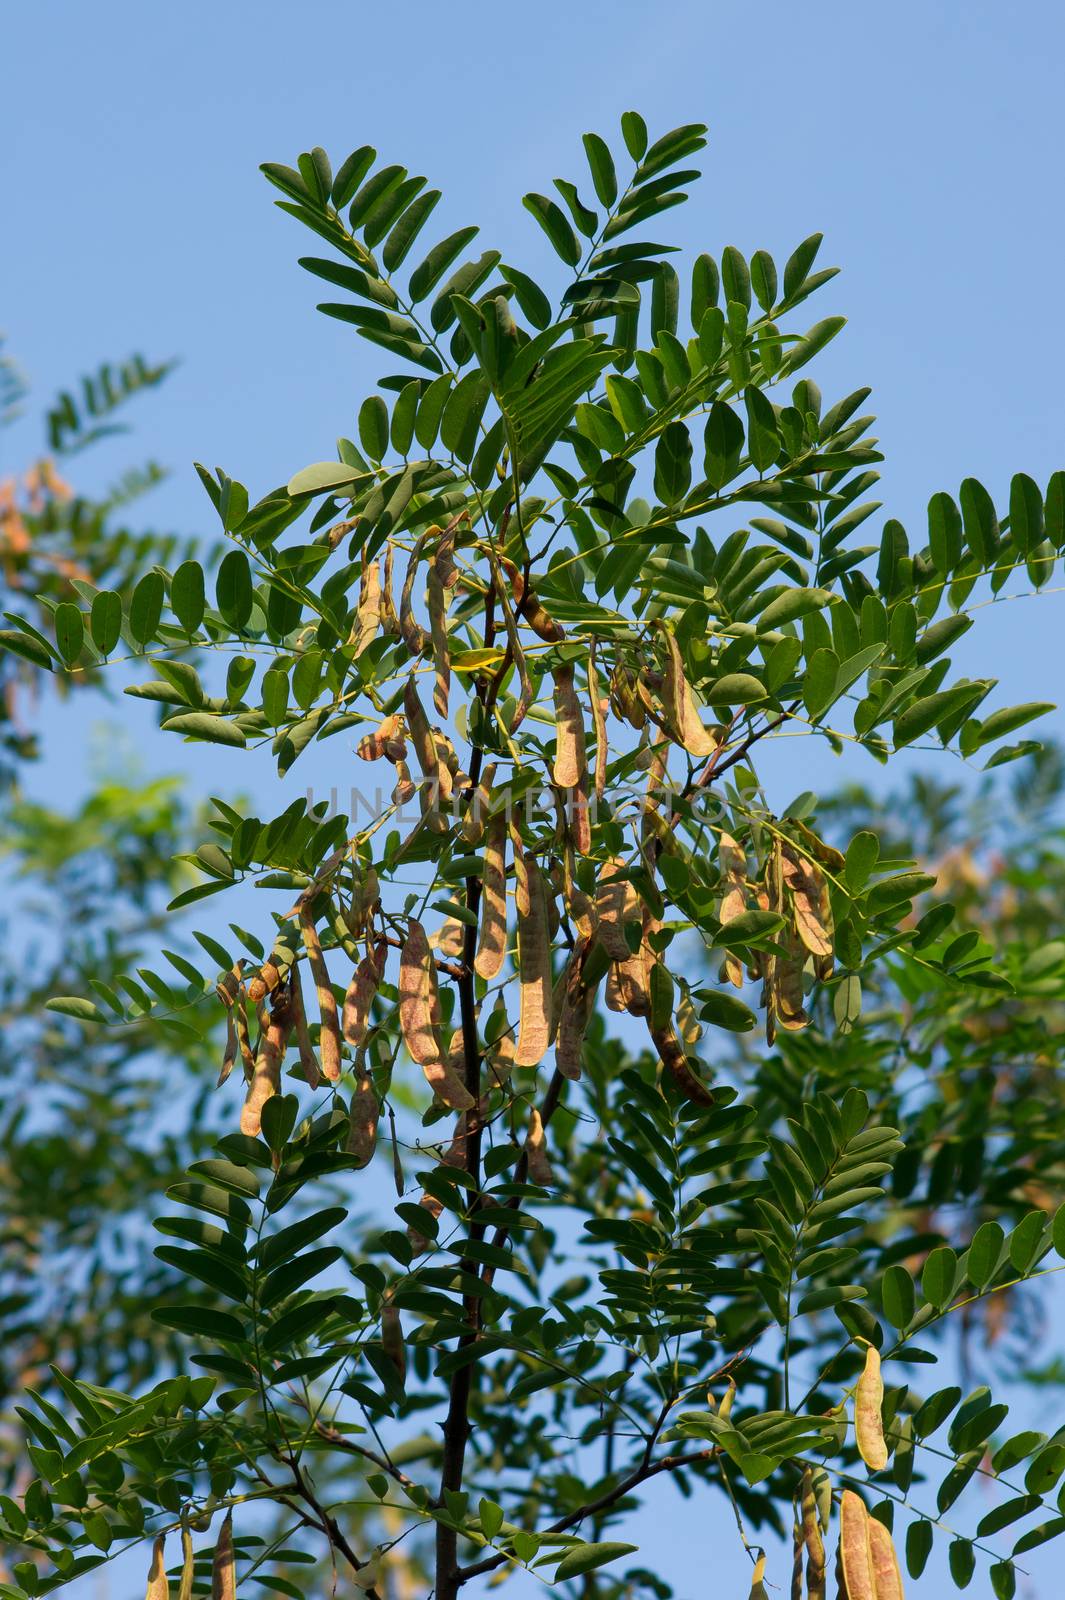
column 923, row 139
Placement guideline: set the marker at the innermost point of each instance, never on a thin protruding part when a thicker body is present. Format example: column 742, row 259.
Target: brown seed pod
column 361, row 992
column 627, row 702
column 616, row 903
column 868, row 1413
column 492, row 937
column 308, row 1058
column 425, row 746
column 540, row 621
column 537, row 1163
column 362, row 1128
column 392, row 1339
column 534, row 969
column 732, row 861
column 807, row 885
column 814, row 1543
column 796, row 1562
column 887, row 1579
column 414, row 635
column 444, row 566
column 573, row 1019
column 673, row 1058
column 570, row 763
column 329, row 1030
column 598, row 723
column 265, row 980
column 188, row 1564
column 231, row 994
column 450, row 939
column 368, row 612
column 223, row 1568
column 419, row 1019
column 475, row 817
column 158, row 1587
column 680, row 706
column 389, row 620
column 420, row 1242
column 374, row 746
column 266, row 1074
column 855, row 1557
column 406, row 788
column 438, row 634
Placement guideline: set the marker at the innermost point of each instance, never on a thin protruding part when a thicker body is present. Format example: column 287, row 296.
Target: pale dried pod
column 223, row 1566
column 362, row 1127
column 158, row 1586
column 534, row 971
column 414, row 635
column 492, row 933
column 616, row 903
column 368, row 612
column 437, row 605
column 266, row 1073
column 536, row 1158
column 887, row 1578
column 598, row 723
column 680, row 709
column 308, row 1057
column 374, row 746
column 569, row 763
column 868, row 1413
column 812, row 1540
column 855, row 1556
column 392, row 1342
column 475, row 817
column 359, row 998
column 329, row 1020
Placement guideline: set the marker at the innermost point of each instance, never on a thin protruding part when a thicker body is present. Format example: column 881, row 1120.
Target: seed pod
column 223, row 1570
column 855, row 1557
column 438, row 635
column 887, row 1579
column 492, row 939
column 628, row 704
column 188, row 1564
column 598, row 724
column 671, row 1052
column 421, row 1241
column 616, row 903
column 329, row 1031
column 868, row 1418
column 361, row 991
column 231, row 994
column 444, row 567
column 815, row 1545
column 796, row 1562
column 158, row 1585
column 724, row 1410
column 419, row 1019
column 368, row 613
column 570, row 762
column 308, row 1058
column 425, row 747
column 266, row 1075
column 500, row 1050
column 450, row 939
column 580, row 816
column 733, row 863
column 389, row 620
column 573, row 1019
column 807, row 887
column 542, row 624
column 373, row 746
column 680, row 706
column 537, row 1163
column 414, row 635
column 362, row 1128
column 392, row 1339
column 406, row 788
column 758, row 1589
column 475, row 818
column 534, row 969
column 265, row 980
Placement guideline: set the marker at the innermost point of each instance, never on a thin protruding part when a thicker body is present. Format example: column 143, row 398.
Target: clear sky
column 922, row 138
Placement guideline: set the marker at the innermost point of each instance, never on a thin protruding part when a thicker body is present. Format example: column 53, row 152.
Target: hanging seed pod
column 796, row 1562
column 329, row 1030
column 308, row 1058
column 570, row 763
column 188, row 1564
column 414, row 635
column 573, row 1019
column 631, row 982
column 807, row 885
column 855, row 1557
column 231, row 994
column 158, row 1587
column 534, row 970
column 500, row 1050
column 680, row 706
column 389, row 620
column 223, row 1568
column 438, row 633
column 540, row 621
column 517, row 654
column 887, row 1579
column 671, row 1052
column 362, row 1128
column 475, row 817
column 392, row 1339
column 492, row 936
column 406, row 788
column 420, row 1242
column 247, row 1054
column 868, row 1408
column 580, row 815
column 616, row 903
column 732, row 861
column 537, row 1163
column 419, row 1019
column 265, row 980
column 266, row 1074
column 598, row 723
column 625, row 698
column 815, row 1545
column 449, row 940
column 386, row 737
column 368, row 612
column 361, row 991
column 433, row 766
column 444, row 568
column 614, row 993
column 758, row 1589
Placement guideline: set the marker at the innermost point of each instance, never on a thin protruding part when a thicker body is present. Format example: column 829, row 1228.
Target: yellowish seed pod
column 438, row 635
column 308, row 1058
column 329, row 1031
column 887, row 1579
column 598, row 724
column 814, row 1543
column 362, row 1129
column 537, row 1163
column 419, row 1019
column 539, row 619
column 807, row 885
column 492, row 936
column 671, row 1053
column 414, row 635
column 188, row 1563
column 680, row 707
column 158, row 1585
column 855, row 1556
column 569, row 763
column 266, row 1074
column 724, row 1410
column 265, row 981
column 368, row 613
column 475, row 817
column 373, row 746
column 868, row 1413
column 392, row 1339
column 616, row 903
column 223, row 1567
column 361, row 991
column 534, row 969
column 758, row 1589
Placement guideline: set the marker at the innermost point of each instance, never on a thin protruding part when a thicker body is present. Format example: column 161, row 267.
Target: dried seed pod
column 815, row 1545
column 385, row 737
column 537, row 1163
column 414, row 635
column 807, row 885
column 570, row 763
column 450, row 939
column 231, row 994
column 425, row 746
column 796, row 1562
column 421, row 1241
column 223, row 1568
column 868, row 1409
column 419, row 1019
column 758, row 1589
column 362, row 1128
column 444, row 568
column 158, row 1587
column 329, row 1030
column 188, row 1564
column 673, row 1058
column 680, row 706
column 475, row 817
column 539, row 619
column 492, row 938
column 616, row 903
column 855, row 1557
column 406, row 788
column 361, row 991
column 438, row 635
column 308, row 1058
column 573, row 1019
column 598, row 724
column 368, row 612
column 580, row 815
column 631, row 985
column 534, row 969
column 392, row 1339
column 887, row 1579
column 627, row 703
column 266, row 1074
column 265, row 980
column 389, row 620
column 733, row 864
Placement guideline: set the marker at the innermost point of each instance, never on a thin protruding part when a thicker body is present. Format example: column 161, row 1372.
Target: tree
column 622, row 1266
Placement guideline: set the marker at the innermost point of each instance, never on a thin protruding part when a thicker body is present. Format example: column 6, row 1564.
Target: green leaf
column 735, row 689
column 206, row 726
column 233, row 590
column 187, row 595
column 325, row 475
column 105, row 620
column 985, row 1254
column 404, row 232
column 601, row 166
column 897, row 1296
column 71, row 1005
column 634, row 133
column 586, row 1557
column 962, row 1559
column 940, row 1276
column 146, row 607
column 555, row 225
column 863, row 853
column 428, row 273
column 69, row 632
column 1009, row 718
column 373, row 427
column 201, row 1322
